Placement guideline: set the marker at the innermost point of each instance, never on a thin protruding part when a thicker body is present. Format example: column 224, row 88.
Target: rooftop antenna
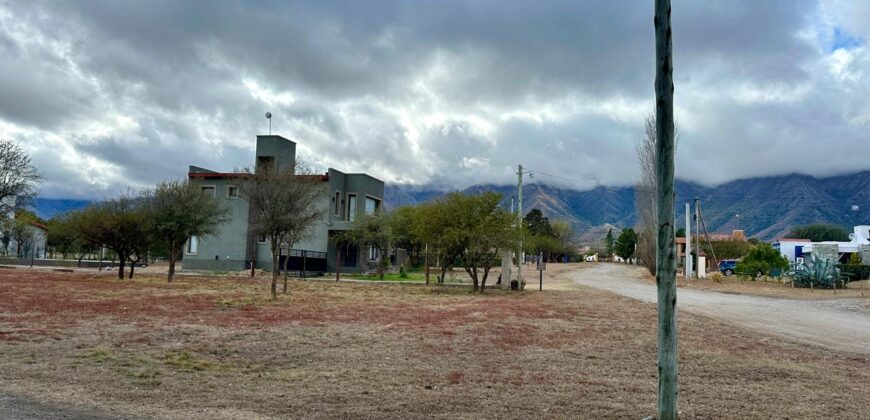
column 269, row 117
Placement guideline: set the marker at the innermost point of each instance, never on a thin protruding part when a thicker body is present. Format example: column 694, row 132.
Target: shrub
column 854, row 272
column 817, row 273
column 763, row 259
column 402, row 273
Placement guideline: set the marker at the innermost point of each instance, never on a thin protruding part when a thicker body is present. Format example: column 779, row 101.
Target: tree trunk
column 427, row 264
column 380, row 264
column 122, row 259
column 132, row 268
column 665, row 256
column 337, row 263
column 253, row 254
column 286, row 268
column 275, row 270
column 173, row 256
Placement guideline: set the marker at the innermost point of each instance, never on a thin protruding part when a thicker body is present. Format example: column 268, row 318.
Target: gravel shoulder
column 837, row 324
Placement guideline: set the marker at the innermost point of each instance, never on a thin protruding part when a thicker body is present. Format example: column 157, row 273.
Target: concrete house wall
column 227, row 250
column 232, row 246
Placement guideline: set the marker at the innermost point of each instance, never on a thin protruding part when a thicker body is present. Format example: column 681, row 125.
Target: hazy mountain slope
column 767, row 207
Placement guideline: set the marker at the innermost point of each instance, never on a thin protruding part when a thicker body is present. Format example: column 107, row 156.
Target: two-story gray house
column 346, row 196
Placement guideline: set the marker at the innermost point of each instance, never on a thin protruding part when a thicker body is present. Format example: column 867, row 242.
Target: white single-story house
column 795, row 249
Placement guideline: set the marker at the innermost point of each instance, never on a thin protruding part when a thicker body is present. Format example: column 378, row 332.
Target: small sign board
column 542, row 265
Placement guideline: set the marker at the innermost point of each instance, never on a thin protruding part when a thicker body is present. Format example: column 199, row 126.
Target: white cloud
column 107, row 97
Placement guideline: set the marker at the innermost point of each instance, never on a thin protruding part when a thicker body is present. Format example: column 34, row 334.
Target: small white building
column 794, row 249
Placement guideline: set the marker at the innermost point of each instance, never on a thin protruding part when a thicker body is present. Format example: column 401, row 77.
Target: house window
column 261, row 238
column 233, row 191
column 373, row 205
column 337, row 204
column 208, row 190
column 192, row 245
column 374, row 254
column 351, row 207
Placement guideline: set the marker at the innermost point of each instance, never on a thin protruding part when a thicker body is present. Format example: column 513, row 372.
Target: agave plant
column 817, row 273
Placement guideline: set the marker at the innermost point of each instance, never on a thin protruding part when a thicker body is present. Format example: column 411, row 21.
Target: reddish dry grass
column 390, row 351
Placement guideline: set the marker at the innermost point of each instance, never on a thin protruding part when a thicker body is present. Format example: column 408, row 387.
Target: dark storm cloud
column 110, row 94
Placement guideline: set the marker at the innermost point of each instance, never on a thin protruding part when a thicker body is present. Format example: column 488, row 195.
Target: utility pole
column 506, row 261
column 688, row 239
column 665, row 257
column 520, row 226
column 697, row 236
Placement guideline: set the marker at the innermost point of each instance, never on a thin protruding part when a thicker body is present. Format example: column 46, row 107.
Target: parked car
column 728, row 267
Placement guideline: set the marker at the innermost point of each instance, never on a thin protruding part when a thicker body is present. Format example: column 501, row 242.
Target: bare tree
column 18, row 177
column 645, row 193
column 284, row 205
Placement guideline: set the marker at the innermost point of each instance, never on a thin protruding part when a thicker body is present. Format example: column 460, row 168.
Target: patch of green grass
column 99, row 355
column 186, row 362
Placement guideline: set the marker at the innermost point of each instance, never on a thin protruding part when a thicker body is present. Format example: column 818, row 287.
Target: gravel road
column 18, row 408
column 838, row 324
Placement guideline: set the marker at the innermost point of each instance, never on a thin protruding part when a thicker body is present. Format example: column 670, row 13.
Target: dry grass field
column 218, row 348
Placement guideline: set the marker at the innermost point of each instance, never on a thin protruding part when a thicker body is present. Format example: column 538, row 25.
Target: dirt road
column 838, row 324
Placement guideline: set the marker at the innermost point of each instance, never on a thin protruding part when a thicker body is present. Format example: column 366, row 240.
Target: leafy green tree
column 482, row 228
column 370, row 231
column 178, row 210
column 537, row 223
column 626, row 243
column 681, row 233
column 403, row 221
column 64, row 238
column 820, row 232
column 763, row 259
column 435, row 226
column 121, row 224
column 729, row 249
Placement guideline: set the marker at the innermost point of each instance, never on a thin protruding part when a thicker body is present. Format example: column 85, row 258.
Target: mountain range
column 765, row 207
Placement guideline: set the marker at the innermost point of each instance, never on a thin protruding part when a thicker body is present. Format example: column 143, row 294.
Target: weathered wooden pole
column 666, row 272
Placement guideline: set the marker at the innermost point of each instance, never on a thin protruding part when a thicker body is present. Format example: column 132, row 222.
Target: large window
column 373, row 205
column 208, row 190
column 351, row 207
column 192, row 245
column 374, row 254
column 233, row 191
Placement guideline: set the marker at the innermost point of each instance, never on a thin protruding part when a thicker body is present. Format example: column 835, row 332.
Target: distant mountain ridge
column 46, row 208
column 767, row 206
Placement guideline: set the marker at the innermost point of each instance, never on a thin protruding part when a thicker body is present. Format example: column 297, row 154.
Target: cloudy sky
column 107, row 95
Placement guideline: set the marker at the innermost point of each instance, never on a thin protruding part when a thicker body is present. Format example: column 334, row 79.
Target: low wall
column 54, row 263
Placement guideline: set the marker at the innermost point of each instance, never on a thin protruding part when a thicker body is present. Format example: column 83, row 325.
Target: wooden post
column 665, row 257
column 304, row 254
column 426, row 262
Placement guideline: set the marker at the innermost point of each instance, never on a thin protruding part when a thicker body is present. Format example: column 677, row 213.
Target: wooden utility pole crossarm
column 665, row 256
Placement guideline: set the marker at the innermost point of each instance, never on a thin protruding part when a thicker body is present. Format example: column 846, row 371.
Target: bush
column 402, row 273
column 854, row 272
column 763, row 259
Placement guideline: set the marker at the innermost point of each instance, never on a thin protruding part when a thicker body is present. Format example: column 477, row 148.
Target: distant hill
column 767, row 206
column 46, row 208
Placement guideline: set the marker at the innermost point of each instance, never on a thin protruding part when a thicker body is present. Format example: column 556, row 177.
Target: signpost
column 542, row 265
